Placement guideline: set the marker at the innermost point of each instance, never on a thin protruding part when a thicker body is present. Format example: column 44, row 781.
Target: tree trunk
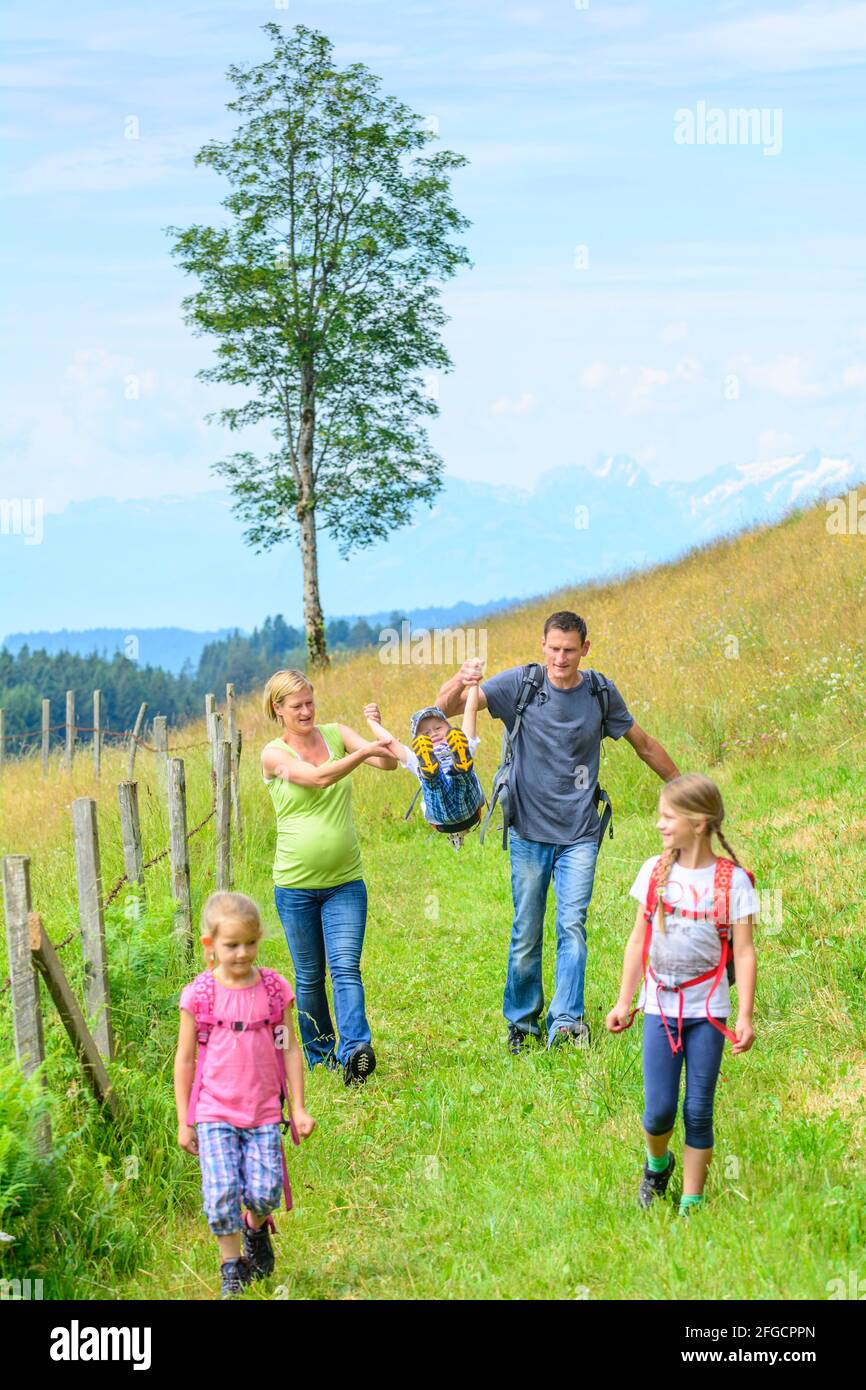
column 314, row 622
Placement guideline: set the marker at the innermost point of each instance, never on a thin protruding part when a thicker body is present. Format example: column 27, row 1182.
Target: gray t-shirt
column 555, row 769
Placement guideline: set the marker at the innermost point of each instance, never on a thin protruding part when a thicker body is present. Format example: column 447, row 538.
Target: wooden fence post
column 26, row 1008
column 160, row 743
column 89, row 874
column 236, row 784
column 133, row 741
column 209, row 715
column 130, row 830
column 230, row 711
column 70, row 728
column 2, row 735
column 97, row 731
column 233, row 736
column 179, row 849
column 44, row 958
column 46, row 735
column 223, row 814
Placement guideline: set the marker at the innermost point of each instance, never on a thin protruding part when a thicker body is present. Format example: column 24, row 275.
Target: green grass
column 460, row 1171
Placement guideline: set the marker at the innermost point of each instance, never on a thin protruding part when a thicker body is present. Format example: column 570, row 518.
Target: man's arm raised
column 650, row 751
column 452, row 695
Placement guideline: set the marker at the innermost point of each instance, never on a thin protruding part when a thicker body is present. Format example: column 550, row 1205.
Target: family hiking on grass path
column 238, row 1063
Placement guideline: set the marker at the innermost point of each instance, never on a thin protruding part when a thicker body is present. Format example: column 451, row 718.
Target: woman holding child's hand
column 319, row 890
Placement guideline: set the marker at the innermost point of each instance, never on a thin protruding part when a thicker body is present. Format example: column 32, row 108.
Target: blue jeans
column 702, row 1052
column 572, row 868
column 325, row 928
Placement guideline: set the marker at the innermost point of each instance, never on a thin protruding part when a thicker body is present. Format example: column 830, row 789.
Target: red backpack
column 204, row 995
column 724, row 873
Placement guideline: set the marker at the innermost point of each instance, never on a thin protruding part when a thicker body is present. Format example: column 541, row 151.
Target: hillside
column 460, row 1172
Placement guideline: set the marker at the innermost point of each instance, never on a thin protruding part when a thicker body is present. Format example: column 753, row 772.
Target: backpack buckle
column 238, row 1025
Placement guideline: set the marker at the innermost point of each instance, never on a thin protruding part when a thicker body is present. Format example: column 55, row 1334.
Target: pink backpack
column 204, row 995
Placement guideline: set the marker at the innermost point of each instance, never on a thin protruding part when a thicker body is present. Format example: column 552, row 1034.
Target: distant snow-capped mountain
column 182, row 561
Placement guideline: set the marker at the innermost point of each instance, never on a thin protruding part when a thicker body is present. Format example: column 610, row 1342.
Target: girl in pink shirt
column 229, row 1099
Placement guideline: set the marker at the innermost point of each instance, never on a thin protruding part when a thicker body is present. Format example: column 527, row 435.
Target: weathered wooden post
column 209, row 716
column 179, row 849
column 134, row 737
column 2, row 735
column 130, row 830
column 70, row 728
column 46, row 735
column 44, row 958
column 97, row 731
column 223, row 812
column 89, row 875
column 160, row 743
column 234, row 737
column 236, row 784
column 26, row 1008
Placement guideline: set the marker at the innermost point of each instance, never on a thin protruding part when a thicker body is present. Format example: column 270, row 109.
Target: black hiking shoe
column 360, row 1065
column 235, row 1275
column 571, row 1035
column 258, row 1250
column 517, row 1040
column 654, row 1184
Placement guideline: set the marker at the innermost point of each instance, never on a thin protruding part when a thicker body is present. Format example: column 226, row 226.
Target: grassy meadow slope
column 461, row 1172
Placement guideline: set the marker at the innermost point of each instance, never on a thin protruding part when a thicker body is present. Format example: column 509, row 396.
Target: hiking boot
column 458, row 743
column 571, row 1035
column 361, row 1064
column 235, row 1275
column 258, row 1251
column 517, row 1040
column 428, row 763
column 654, row 1184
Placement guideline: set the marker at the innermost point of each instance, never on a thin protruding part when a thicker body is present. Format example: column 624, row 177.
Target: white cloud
column 855, row 375
column 506, row 405
column 784, row 376
column 674, row 332
column 594, row 377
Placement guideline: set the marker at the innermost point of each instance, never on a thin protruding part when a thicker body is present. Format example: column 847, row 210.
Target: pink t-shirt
column 239, row 1081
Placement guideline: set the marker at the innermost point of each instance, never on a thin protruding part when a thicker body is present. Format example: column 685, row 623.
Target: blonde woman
column 319, row 888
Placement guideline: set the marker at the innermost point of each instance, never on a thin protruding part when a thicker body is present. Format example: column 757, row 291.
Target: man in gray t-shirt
column 554, row 819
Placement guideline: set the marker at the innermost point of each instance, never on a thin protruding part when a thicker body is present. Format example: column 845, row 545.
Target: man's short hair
column 566, row 621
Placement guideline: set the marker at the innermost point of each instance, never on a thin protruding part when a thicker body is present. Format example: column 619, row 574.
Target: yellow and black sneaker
column 459, row 745
column 428, row 763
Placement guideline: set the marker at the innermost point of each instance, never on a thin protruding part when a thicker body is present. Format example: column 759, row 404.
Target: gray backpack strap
column 533, row 678
column 599, row 689
column 412, row 804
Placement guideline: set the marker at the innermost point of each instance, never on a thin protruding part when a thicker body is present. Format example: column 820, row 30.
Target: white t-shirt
column 446, row 761
column 689, row 947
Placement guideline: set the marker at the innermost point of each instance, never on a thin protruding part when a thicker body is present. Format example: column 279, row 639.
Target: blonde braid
column 726, row 846
column 669, row 858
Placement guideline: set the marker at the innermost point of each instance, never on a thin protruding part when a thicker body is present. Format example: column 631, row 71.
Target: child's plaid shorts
column 238, row 1165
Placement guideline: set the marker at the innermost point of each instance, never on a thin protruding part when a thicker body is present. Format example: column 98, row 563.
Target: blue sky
column 704, row 264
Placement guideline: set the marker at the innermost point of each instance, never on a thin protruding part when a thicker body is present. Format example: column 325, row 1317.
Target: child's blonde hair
column 697, row 798
column 222, row 905
column 281, row 684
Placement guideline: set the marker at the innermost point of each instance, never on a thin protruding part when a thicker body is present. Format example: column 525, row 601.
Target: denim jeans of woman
column 324, row 930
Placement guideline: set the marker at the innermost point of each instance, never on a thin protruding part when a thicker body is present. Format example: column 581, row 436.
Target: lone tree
column 323, row 291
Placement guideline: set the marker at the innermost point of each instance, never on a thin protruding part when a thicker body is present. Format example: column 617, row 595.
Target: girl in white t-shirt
column 686, row 894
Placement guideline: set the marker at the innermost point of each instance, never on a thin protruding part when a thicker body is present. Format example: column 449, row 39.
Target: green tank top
column 316, row 842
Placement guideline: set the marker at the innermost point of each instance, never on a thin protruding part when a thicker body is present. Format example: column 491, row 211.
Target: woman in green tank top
column 319, row 890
